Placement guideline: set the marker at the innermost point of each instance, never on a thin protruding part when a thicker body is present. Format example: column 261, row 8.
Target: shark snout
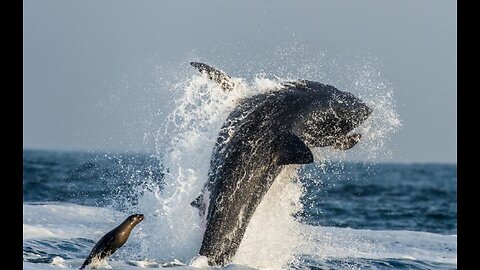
column 354, row 114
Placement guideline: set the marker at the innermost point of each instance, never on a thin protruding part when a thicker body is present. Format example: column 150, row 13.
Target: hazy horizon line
column 140, row 152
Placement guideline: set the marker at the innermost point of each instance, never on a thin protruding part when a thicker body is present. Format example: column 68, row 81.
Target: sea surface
column 352, row 215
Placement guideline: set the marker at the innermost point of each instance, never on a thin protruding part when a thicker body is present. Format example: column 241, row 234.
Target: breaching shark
column 261, row 135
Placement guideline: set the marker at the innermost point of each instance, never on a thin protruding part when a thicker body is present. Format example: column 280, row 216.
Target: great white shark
column 260, row 136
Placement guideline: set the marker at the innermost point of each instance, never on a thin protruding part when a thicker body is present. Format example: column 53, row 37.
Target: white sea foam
column 332, row 242
column 67, row 221
column 323, row 242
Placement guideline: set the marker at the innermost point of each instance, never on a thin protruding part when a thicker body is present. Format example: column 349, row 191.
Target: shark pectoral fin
column 347, row 142
column 292, row 150
column 200, row 204
column 216, row 75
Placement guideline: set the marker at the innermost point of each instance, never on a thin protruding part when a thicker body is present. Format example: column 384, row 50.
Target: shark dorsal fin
column 216, row 75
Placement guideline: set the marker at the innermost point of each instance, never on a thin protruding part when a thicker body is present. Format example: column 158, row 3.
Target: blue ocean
column 332, row 214
column 362, row 216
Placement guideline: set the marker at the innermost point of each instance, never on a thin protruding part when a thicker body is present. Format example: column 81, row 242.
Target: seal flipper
column 292, row 150
column 216, row 75
column 347, row 142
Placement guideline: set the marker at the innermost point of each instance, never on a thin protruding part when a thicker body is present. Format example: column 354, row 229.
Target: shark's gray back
column 244, row 165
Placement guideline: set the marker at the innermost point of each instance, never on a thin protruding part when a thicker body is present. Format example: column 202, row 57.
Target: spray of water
column 273, row 235
column 172, row 228
column 187, row 136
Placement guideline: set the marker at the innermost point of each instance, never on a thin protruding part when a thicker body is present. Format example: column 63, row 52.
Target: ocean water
column 356, row 215
column 333, row 214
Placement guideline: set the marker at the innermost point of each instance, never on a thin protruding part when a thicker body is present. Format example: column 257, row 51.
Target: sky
column 92, row 70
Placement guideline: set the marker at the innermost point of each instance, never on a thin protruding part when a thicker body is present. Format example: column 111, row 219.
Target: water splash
column 191, row 128
column 273, row 235
column 184, row 141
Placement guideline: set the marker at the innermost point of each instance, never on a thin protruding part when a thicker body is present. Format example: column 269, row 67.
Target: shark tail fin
column 218, row 76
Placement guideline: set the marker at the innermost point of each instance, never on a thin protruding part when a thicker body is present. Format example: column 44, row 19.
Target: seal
column 113, row 240
column 264, row 133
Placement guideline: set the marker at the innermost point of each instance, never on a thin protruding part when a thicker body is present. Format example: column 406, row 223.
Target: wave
column 72, row 230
